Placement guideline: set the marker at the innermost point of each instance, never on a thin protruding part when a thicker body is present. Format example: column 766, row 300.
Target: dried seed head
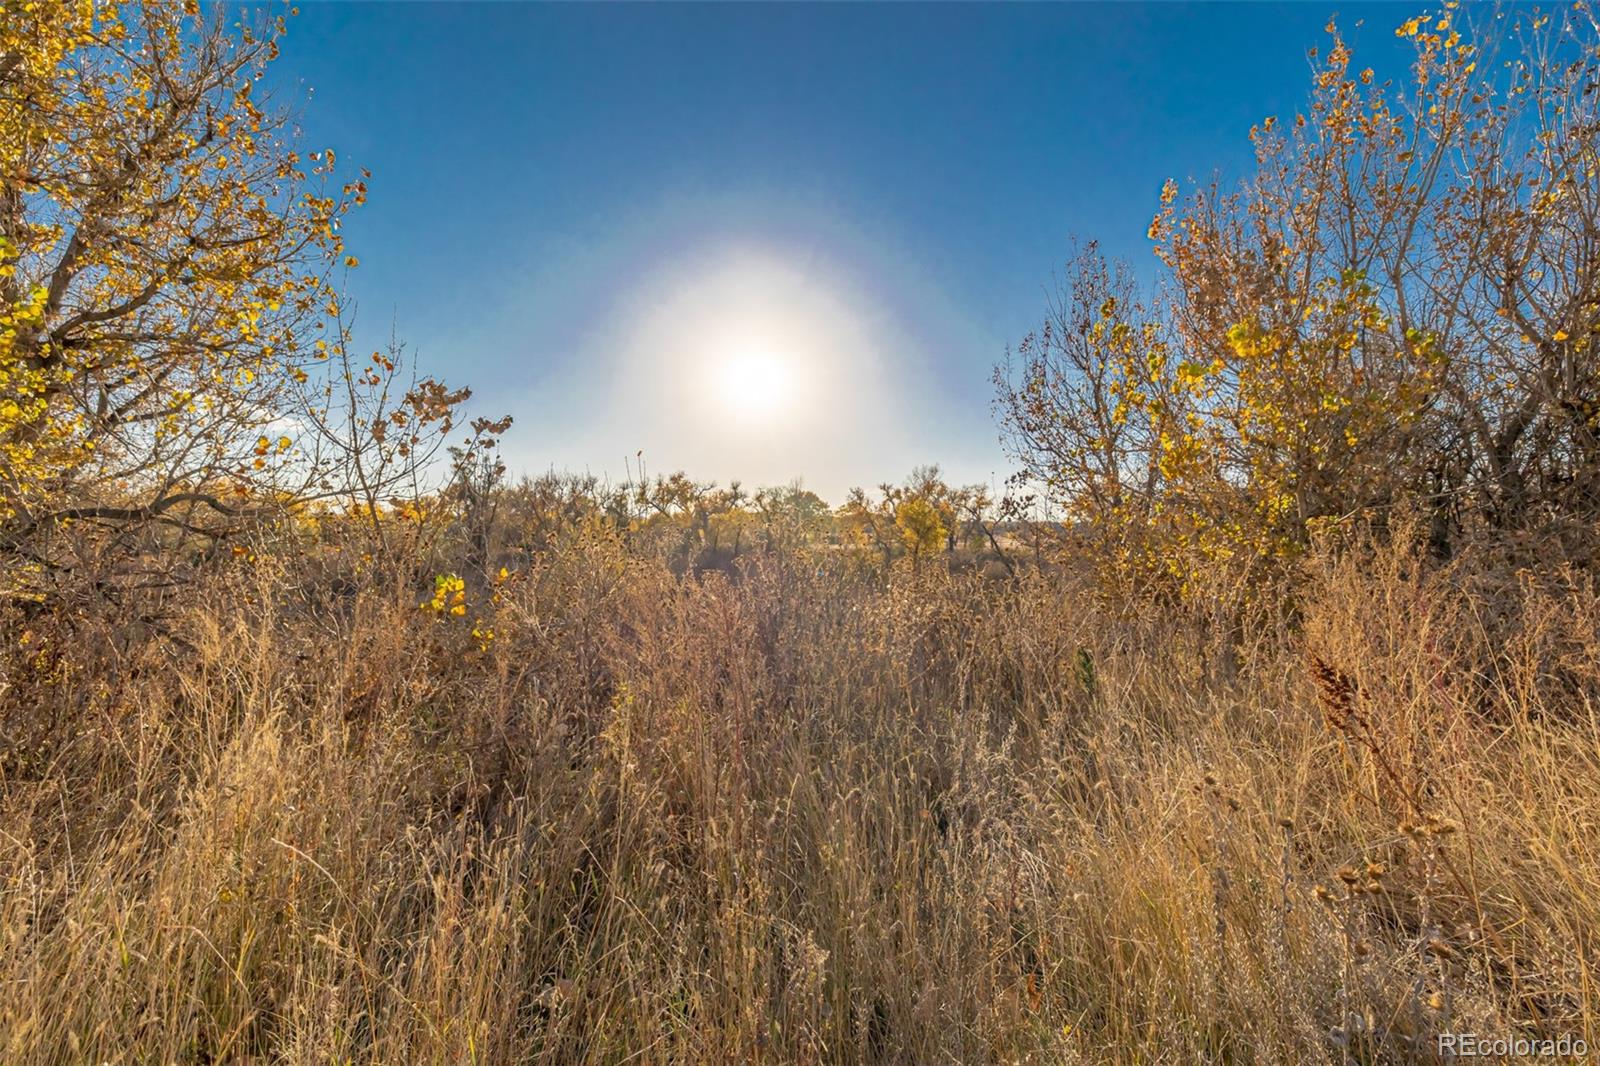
column 1376, row 870
column 1348, row 875
column 1337, row 694
column 1286, row 823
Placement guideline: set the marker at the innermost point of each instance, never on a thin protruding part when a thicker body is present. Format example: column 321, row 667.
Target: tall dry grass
column 796, row 813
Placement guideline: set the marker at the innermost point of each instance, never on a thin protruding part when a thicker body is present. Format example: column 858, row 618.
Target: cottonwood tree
column 1087, row 401
column 168, row 259
column 1399, row 309
column 866, row 524
column 921, row 527
column 791, row 516
column 922, row 516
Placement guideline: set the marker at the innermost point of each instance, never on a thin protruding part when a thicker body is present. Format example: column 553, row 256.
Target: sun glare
column 754, row 383
column 736, row 362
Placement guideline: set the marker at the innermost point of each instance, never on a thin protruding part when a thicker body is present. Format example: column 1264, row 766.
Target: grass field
column 798, row 811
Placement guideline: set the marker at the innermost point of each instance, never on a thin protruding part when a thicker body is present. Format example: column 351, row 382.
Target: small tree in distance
column 920, row 526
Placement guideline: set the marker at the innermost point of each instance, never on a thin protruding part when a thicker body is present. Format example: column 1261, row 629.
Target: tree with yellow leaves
column 167, row 265
column 921, row 527
column 1398, row 310
column 1100, row 417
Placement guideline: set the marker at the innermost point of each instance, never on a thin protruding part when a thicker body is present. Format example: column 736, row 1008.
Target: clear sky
column 766, row 242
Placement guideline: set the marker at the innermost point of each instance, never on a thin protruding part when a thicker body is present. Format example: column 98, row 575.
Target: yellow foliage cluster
column 920, row 525
column 449, row 596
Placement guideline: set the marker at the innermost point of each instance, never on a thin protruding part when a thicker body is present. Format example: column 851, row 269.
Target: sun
column 754, row 383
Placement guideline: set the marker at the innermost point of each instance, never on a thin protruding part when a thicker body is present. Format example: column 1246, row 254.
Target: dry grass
column 796, row 814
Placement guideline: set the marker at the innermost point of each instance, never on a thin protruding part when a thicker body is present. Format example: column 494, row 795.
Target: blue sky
column 569, row 203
